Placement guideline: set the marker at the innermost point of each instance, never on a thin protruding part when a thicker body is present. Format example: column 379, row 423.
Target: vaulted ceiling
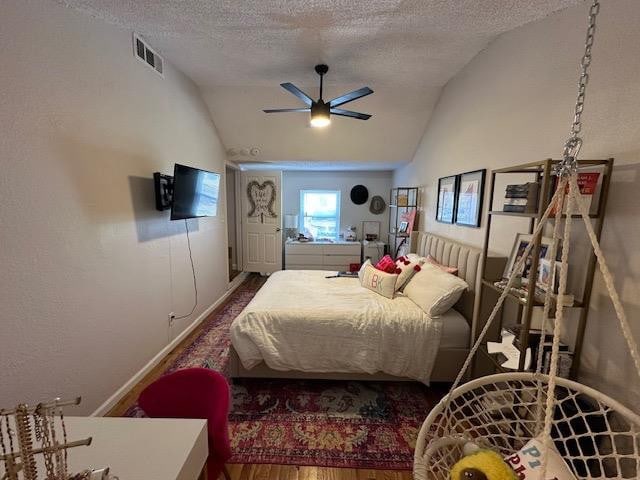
column 238, row 52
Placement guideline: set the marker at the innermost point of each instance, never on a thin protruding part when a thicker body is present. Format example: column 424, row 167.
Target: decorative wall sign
column 469, row 198
column 261, row 198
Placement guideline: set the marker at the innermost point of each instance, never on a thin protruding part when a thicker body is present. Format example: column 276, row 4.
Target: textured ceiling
column 238, row 52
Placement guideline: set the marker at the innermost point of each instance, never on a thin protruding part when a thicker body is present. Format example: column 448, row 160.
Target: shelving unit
column 401, row 200
column 543, row 175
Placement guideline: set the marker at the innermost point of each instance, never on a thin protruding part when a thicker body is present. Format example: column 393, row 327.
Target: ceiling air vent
column 143, row 52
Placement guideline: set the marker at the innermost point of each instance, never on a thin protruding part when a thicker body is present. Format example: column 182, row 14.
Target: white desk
column 140, row 448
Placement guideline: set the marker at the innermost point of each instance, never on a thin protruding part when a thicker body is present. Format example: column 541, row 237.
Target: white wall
column 513, row 104
column 377, row 182
column 89, row 270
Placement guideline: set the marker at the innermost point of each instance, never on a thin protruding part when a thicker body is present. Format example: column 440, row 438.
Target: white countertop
column 139, row 448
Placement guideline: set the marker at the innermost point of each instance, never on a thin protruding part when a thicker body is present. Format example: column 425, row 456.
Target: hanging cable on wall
column 193, row 273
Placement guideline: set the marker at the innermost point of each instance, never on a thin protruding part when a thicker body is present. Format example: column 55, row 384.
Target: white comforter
column 300, row 320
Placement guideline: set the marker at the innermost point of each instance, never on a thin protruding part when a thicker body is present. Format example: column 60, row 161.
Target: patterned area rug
column 318, row 423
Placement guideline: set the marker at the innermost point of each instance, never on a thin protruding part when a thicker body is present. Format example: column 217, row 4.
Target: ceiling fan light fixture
column 320, row 110
column 319, row 122
column 320, row 116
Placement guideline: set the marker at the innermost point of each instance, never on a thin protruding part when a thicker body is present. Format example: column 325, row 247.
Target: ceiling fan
column 320, row 110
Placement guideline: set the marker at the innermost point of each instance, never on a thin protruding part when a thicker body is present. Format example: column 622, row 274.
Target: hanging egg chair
column 500, row 412
column 592, row 435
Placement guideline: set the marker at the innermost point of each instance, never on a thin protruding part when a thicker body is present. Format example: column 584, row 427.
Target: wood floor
column 288, row 472
column 255, row 471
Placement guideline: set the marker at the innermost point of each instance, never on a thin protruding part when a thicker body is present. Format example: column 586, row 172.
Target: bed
column 303, row 325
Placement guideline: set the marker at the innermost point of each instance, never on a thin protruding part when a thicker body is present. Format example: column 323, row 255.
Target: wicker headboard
column 466, row 259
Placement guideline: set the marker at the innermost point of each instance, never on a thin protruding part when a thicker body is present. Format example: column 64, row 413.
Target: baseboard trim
column 140, row 374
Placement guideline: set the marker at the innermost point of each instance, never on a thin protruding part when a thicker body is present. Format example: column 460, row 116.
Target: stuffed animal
column 481, row 464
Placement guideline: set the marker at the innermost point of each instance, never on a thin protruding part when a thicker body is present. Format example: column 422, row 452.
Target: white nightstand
column 373, row 250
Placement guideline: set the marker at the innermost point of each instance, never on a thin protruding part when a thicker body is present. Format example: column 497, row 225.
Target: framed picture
column 371, row 230
column 446, row 206
column 469, row 198
column 548, row 279
column 522, row 241
column 403, row 227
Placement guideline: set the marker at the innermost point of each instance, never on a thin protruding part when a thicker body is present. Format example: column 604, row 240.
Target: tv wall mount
column 164, row 191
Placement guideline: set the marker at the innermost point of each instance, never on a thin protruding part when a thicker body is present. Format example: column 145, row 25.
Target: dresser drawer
column 305, row 267
column 303, row 260
column 301, row 249
column 341, row 259
column 338, row 267
column 343, row 249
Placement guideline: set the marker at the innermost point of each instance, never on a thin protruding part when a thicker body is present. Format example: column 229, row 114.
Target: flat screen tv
column 195, row 193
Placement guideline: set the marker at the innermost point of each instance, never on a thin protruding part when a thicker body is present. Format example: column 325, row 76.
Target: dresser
column 335, row 256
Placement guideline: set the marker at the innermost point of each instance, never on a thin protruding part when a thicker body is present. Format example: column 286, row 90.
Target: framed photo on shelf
column 408, row 218
column 446, row 206
column 469, row 198
column 547, row 277
column 522, row 241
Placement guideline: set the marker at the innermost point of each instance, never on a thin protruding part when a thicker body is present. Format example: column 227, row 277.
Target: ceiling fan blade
column 279, row 110
column 349, row 113
column 290, row 87
column 350, row 97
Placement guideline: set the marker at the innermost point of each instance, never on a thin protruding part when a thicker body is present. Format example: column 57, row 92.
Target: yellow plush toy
column 482, row 465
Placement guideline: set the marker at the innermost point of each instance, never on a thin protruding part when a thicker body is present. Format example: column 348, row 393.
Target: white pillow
column 361, row 271
column 527, row 463
column 414, row 257
column 433, row 290
column 407, row 268
column 378, row 281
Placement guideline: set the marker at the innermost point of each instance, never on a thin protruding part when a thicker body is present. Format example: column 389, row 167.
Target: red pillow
column 386, row 264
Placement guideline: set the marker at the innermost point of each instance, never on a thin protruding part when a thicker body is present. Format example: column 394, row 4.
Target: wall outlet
column 172, row 317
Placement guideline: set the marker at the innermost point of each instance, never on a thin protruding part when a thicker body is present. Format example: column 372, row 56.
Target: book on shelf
column 587, row 184
column 521, row 198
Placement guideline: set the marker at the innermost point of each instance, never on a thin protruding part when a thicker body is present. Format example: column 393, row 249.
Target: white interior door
column 261, row 221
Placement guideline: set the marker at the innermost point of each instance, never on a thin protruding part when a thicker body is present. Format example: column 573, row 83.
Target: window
column 320, row 213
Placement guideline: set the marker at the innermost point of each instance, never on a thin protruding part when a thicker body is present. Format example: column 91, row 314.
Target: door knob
column 278, row 229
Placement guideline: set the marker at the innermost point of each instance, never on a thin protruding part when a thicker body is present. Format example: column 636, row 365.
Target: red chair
column 194, row 393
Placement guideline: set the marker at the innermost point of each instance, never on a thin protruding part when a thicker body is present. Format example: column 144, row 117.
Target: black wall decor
column 359, row 194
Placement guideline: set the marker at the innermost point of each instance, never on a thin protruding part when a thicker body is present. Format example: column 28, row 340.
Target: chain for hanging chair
column 504, row 411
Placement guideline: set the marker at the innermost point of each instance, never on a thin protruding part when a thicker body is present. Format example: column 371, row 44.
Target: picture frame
column 521, row 242
column 547, row 277
column 446, row 202
column 403, row 227
column 371, row 230
column 469, row 198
